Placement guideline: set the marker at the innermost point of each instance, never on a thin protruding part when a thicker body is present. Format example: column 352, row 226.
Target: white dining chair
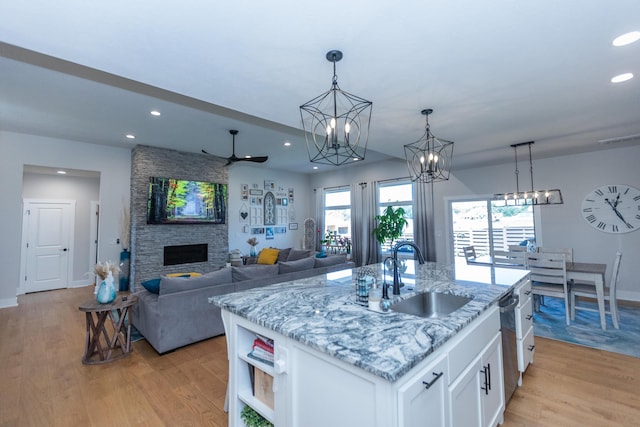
column 509, row 259
column 549, row 278
column 588, row 290
column 568, row 252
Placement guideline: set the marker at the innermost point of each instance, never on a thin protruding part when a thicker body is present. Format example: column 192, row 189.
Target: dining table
column 577, row 272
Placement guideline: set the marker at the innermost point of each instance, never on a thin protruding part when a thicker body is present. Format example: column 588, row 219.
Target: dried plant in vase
column 253, row 242
column 106, row 291
column 102, row 269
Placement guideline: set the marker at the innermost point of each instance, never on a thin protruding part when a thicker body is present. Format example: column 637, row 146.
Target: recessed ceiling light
column 155, row 112
column 622, row 78
column 627, row 38
column 62, row 172
column 315, row 167
column 247, row 157
column 287, row 144
column 130, row 136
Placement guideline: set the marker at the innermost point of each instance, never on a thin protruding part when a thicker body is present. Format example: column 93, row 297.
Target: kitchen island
column 338, row 363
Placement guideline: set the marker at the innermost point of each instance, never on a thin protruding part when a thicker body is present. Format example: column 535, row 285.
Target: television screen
column 178, row 201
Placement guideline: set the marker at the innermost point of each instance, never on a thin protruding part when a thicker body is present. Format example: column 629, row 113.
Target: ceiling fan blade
column 257, row 159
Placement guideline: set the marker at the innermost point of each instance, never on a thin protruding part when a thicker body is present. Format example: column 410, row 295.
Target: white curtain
column 423, row 224
column 319, row 208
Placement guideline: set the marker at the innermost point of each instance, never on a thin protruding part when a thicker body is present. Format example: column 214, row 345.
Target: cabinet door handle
column 531, row 347
column 486, row 381
column 489, row 376
column 427, row 385
column 529, row 317
column 527, row 292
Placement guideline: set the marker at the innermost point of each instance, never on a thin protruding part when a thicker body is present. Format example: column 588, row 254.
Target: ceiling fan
column 234, row 158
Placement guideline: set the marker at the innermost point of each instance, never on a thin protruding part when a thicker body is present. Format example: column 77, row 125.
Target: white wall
column 114, row 165
column 560, row 225
column 241, row 173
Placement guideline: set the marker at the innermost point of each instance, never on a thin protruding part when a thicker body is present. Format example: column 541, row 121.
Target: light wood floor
column 44, row 383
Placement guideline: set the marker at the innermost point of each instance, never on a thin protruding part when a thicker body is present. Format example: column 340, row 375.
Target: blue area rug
column 585, row 329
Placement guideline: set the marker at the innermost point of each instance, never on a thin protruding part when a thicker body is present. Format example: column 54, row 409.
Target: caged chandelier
column 336, row 123
column 429, row 158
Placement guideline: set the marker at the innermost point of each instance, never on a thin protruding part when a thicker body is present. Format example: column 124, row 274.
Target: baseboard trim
column 8, row 302
column 628, row 295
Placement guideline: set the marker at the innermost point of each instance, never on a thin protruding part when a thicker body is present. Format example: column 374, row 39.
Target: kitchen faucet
column 396, row 279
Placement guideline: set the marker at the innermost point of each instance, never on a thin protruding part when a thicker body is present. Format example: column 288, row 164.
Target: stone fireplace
column 197, row 248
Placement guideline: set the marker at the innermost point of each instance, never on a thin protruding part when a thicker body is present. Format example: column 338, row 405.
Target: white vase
column 106, row 290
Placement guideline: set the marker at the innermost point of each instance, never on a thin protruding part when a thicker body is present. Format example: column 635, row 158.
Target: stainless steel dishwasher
column 508, row 305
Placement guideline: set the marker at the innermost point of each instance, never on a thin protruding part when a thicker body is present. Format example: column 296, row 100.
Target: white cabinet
column 423, row 401
column 524, row 327
column 313, row 389
column 477, row 394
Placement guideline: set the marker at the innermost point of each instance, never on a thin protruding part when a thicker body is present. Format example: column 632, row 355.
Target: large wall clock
column 613, row 208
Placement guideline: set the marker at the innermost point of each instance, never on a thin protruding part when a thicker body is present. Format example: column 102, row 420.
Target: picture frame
column 285, row 201
column 280, row 230
column 255, row 192
column 293, row 226
column 257, row 230
column 269, row 233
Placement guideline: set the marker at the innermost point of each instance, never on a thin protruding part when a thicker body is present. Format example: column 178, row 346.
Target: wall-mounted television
column 180, row 201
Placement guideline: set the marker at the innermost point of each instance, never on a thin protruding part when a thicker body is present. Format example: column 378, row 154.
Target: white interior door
column 48, row 237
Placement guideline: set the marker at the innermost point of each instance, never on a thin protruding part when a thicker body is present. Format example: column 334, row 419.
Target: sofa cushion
column 297, row 265
column 170, row 285
column 330, row 260
column 283, row 255
column 268, row 256
column 297, row 254
column 255, row 271
column 152, row 285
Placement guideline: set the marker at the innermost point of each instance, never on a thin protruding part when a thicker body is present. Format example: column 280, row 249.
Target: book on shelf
column 260, row 359
column 258, row 343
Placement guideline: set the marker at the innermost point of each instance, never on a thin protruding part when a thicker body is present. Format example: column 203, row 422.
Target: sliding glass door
column 488, row 225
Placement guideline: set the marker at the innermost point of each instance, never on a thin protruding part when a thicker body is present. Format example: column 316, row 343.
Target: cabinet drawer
column 524, row 318
column 524, row 292
column 526, row 350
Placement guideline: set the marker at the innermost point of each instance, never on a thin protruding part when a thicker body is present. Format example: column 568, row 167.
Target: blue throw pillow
column 152, row 285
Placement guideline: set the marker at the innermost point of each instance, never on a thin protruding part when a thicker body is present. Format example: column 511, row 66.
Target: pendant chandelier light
column 429, row 159
column 336, row 123
column 533, row 197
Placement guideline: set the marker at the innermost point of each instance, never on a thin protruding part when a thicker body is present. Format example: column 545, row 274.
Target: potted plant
column 390, row 225
column 253, row 419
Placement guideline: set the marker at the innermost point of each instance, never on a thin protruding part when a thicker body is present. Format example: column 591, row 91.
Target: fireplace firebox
column 186, row 254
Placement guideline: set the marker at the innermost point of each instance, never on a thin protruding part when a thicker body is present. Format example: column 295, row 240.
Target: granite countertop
column 322, row 312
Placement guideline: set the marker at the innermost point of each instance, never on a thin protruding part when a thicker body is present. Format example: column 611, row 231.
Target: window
column 337, row 219
column 398, row 194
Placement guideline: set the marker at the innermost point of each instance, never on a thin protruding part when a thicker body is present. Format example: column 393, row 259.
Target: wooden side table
column 107, row 341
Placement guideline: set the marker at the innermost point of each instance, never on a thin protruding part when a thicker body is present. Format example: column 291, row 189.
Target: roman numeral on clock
column 601, row 225
column 591, row 218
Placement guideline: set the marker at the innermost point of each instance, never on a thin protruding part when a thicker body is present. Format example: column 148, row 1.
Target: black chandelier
column 429, row 159
column 336, row 123
column 533, row 197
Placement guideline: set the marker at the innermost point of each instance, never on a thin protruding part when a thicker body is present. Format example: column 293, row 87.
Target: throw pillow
column 268, row 256
column 330, row 260
column 152, row 285
column 297, row 265
column 255, row 271
column 283, row 254
column 297, row 254
column 170, row 285
column 191, row 274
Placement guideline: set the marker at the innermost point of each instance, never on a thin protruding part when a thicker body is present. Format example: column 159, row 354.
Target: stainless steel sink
column 430, row 304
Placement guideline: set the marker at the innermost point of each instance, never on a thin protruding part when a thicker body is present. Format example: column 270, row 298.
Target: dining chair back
column 509, row 259
column 588, row 290
column 517, row 248
column 568, row 252
column 549, row 278
column 469, row 253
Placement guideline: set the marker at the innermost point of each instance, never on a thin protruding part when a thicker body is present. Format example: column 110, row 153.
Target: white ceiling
column 495, row 73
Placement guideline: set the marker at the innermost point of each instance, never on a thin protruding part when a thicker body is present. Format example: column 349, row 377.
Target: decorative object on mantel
column 336, row 123
column 429, row 159
column 125, row 255
column 533, row 197
column 253, row 242
column 106, row 290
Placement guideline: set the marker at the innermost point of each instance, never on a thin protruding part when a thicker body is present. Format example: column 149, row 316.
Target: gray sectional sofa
column 180, row 314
